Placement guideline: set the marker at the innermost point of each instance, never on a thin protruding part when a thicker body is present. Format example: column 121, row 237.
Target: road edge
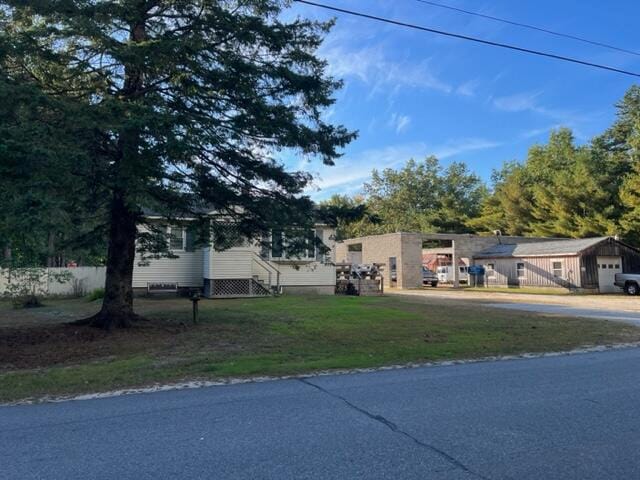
column 195, row 384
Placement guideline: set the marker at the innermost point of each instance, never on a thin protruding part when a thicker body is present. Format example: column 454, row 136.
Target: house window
column 520, row 269
column 176, row 238
column 490, row 269
column 301, row 246
column 557, row 269
column 617, row 265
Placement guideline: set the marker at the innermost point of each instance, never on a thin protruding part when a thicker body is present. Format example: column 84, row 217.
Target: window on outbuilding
column 520, row 269
column 557, row 269
column 490, row 269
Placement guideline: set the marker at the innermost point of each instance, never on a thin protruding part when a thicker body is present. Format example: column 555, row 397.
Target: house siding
column 538, row 272
column 233, row 263
column 309, row 274
column 191, row 268
column 186, row 271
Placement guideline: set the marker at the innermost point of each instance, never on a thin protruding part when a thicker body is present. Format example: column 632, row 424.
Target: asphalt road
column 569, row 417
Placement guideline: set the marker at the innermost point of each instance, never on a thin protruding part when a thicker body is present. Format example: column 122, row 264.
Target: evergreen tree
column 568, row 189
column 621, row 147
column 180, row 107
column 509, row 207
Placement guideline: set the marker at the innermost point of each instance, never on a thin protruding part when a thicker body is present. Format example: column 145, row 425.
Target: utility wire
column 531, row 27
column 471, row 39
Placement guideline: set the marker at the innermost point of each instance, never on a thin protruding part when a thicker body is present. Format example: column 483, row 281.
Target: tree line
column 561, row 189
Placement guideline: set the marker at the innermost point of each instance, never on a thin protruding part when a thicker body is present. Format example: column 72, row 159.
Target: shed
column 585, row 264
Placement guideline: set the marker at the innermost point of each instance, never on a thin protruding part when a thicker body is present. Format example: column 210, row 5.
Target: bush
column 25, row 286
column 97, row 294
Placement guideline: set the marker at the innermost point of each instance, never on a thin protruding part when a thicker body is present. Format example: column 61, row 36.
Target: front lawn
column 40, row 354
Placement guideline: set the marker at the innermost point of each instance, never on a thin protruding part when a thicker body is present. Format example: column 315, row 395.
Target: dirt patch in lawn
column 31, row 347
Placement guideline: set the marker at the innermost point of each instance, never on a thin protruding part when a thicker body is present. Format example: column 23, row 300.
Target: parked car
column 629, row 282
column 429, row 278
column 445, row 274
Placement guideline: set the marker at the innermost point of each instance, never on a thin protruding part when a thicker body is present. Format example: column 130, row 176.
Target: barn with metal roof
column 582, row 264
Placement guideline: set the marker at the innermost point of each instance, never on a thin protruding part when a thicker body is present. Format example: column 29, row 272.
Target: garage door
column 607, row 269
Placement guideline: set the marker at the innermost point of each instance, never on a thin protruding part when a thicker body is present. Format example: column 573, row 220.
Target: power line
column 471, row 39
column 531, row 27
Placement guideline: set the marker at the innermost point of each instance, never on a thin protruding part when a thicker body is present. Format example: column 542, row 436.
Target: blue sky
column 411, row 94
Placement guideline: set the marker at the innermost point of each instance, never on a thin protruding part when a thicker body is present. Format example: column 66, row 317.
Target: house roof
column 541, row 249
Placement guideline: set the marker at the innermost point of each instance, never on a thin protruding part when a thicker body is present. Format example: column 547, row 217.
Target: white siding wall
column 313, row 273
column 234, row 263
column 186, row 271
column 191, row 268
column 238, row 262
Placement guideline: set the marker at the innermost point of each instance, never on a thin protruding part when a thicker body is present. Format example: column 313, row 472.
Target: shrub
column 96, row 294
column 25, row 286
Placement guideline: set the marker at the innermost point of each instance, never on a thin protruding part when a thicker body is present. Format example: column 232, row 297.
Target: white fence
column 83, row 280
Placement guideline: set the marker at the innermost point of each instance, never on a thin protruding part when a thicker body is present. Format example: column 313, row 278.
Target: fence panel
column 83, row 280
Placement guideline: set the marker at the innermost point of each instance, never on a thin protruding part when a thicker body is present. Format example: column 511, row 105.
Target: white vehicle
column 445, row 274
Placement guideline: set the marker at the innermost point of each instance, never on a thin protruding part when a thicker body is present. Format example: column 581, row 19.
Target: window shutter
column 318, row 239
column 264, row 246
column 277, row 244
column 190, row 240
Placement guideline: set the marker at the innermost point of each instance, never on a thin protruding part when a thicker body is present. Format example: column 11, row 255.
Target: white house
column 245, row 269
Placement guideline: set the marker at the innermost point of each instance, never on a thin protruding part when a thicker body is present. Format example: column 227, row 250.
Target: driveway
column 566, row 311
column 568, row 417
column 608, row 307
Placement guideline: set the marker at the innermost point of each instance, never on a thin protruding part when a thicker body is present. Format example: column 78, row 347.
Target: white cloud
column 456, row 147
column 468, row 89
column 519, row 102
column 535, row 132
column 529, row 102
column 399, row 122
column 372, row 65
column 351, row 171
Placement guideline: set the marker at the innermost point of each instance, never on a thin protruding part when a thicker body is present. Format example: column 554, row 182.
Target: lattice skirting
column 234, row 287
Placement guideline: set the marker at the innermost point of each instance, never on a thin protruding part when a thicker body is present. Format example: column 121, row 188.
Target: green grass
column 270, row 336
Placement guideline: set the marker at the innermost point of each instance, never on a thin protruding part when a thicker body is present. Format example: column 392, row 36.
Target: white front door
column 607, row 269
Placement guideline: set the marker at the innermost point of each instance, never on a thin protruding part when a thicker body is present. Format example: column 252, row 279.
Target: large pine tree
column 180, row 106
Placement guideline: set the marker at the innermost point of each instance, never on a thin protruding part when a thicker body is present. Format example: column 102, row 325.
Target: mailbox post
column 195, row 298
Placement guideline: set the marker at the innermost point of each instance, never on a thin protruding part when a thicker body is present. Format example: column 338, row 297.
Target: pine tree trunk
column 51, row 247
column 117, row 305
